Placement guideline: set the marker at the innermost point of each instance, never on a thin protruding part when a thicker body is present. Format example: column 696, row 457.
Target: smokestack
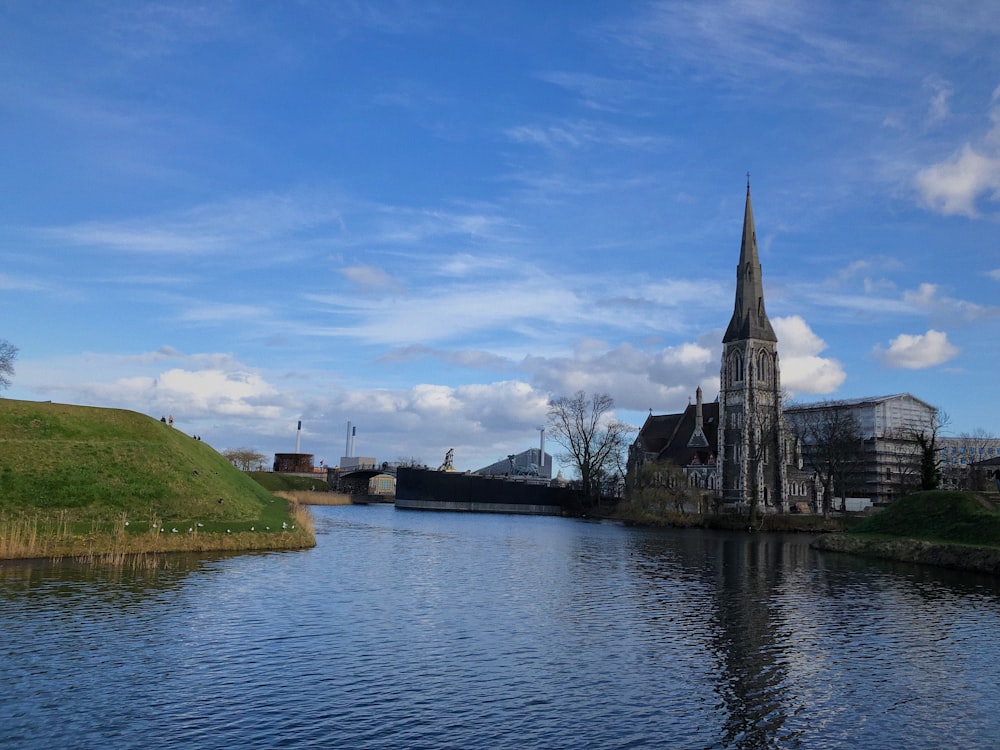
column 354, row 431
column 541, row 447
column 298, row 438
column 347, row 445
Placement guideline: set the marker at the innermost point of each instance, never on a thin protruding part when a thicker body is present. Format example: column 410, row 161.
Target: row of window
column 735, row 371
column 983, row 450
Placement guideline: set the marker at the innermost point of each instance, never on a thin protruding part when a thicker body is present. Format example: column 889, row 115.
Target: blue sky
column 430, row 218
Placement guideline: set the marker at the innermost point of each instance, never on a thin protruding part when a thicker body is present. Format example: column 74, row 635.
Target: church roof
column 669, row 435
column 749, row 319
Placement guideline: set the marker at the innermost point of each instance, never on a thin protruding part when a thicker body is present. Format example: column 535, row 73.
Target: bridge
column 354, row 481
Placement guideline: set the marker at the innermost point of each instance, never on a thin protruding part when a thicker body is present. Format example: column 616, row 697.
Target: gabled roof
column 749, row 319
column 657, row 431
column 668, row 435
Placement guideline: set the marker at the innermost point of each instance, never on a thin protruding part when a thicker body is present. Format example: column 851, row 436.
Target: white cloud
column 802, row 369
column 636, row 379
column 953, row 186
column 916, row 352
column 367, row 276
column 924, row 296
column 957, row 184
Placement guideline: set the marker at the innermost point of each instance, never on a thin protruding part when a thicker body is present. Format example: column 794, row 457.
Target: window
column 763, row 371
column 737, row 366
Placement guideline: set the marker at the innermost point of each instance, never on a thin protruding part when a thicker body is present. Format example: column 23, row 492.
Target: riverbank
column 954, row 556
column 776, row 522
column 959, row 530
column 103, row 484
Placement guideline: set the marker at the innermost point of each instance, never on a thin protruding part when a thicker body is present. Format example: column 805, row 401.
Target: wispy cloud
column 741, row 39
column 237, row 225
column 581, row 134
column 940, row 97
column 12, row 283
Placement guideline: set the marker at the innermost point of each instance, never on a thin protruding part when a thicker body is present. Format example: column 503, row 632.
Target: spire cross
column 748, row 180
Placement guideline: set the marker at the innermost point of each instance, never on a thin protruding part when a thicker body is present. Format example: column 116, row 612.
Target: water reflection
column 450, row 630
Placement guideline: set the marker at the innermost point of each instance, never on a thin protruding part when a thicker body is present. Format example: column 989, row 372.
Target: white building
column 890, row 425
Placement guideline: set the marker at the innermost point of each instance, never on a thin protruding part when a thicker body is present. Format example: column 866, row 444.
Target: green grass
column 85, row 473
column 938, row 516
column 273, row 482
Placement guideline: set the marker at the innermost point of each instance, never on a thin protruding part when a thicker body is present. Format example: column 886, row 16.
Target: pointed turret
column 698, row 439
column 749, row 319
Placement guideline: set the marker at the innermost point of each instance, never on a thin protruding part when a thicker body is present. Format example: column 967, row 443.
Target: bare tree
column 593, row 439
column 965, row 473
column 659, row 486
column 246, row 459
column 833, row 447
column 8, row 353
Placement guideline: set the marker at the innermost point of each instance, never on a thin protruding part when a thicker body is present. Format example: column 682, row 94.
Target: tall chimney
column 698, row 424
column 347, row 446
column 298, row 438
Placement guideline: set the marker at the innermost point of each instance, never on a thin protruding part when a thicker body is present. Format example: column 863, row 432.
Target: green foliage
column 938, row 515
column 277, row 482
column 87, row 468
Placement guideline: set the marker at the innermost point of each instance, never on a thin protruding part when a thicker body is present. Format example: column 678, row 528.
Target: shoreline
column 113, row 548
column 901, row 549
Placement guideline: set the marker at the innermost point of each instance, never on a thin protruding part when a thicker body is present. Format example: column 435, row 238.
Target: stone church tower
column 751, row 434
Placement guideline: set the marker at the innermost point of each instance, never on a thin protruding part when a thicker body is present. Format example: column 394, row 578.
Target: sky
column 429, row 219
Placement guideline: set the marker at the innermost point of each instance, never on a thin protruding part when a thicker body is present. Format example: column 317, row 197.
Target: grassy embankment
column 298, row 489
column 950, row 529
column 80, row 481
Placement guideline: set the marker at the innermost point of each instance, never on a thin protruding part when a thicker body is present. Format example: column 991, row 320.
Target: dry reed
column 306, row 497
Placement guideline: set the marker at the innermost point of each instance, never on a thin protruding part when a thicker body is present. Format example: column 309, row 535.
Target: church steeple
column 752, row 446
column 749, row 319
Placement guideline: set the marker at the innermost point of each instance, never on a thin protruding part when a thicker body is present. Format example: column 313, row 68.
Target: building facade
column 887, row 463
column 534, row 462
column 964, row 458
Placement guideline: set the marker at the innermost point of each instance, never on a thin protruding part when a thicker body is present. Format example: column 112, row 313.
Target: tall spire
column 749, row 319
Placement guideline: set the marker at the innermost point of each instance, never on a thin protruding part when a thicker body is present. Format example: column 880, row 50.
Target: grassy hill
column 78, row 480
column 938, row 516
column 274, row 482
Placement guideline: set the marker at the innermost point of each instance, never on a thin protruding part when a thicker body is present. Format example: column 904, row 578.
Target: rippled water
column 407, row 629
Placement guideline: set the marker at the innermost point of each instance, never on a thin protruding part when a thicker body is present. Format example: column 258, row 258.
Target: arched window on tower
column 737, row 367
column 763, row 368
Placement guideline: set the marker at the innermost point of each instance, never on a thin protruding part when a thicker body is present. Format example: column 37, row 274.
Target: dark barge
column 426, row 489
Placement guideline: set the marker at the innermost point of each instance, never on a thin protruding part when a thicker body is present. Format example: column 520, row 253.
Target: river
column 410, row 629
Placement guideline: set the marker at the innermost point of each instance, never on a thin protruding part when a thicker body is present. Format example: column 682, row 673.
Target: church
column 737, row 449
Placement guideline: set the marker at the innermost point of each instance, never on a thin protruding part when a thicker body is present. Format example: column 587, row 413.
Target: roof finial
column 748, row 183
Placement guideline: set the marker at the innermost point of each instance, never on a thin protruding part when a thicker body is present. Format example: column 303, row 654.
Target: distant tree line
column 245, row 459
